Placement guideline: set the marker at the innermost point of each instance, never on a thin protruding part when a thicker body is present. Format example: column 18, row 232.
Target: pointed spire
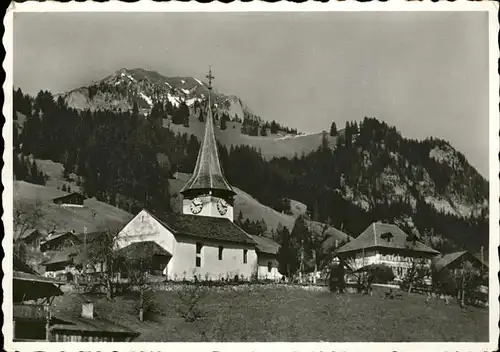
column 207, row 173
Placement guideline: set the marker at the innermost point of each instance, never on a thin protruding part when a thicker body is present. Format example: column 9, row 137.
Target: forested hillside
column 373, row 173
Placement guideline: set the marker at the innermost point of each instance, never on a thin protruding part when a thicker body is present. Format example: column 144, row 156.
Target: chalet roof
column 444, row 260
column 68, row 196
column 266, row 245
column 205, row 227
column 64, row 255
column 385, row 236
column 207, row 173
column 142, row 250
column 19, row 275
column 21, row 266
column 66, row 322
column 57, row 236
column 28, row 286
column 30, row 233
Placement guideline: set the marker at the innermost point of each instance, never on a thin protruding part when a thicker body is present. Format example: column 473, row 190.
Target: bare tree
column 465, row 275
column 100, row 255
column 137, row 272
column 26, row 217
column 415, row 274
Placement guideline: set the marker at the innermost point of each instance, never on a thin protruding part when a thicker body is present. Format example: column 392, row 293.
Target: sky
column 424, row 72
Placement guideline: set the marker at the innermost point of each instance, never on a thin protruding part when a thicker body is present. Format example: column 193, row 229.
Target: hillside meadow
column 270, row 146
column 271, row 314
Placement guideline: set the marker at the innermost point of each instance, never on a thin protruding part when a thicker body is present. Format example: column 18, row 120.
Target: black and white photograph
column 251, row 176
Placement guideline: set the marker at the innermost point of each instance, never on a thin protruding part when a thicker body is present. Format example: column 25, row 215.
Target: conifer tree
column 223, row 124
column 333, row 129
column 263, row 131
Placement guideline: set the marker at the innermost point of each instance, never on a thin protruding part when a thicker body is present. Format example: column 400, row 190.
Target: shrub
column 382, row 274
column 336, row 278
column 190, row 299
column 149, row 305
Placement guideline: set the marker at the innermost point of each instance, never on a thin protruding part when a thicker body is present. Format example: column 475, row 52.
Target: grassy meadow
column 271, row 314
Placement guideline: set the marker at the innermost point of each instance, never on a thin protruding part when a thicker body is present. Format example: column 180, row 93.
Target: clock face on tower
column 196, row 206
column 222, row 207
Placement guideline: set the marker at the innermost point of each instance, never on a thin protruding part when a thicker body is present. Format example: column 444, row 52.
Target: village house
column 457, row 260
column 267, row 258
column 203, row 242
column 32, row 239
column 87, row 327
column 64, row 253
column 57, row 241
column 387, row 244
column 73, row 199
column 32, row 297
column 35, row 320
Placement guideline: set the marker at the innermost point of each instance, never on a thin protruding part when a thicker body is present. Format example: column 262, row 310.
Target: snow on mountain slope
column 273, row 145
column 125, row 87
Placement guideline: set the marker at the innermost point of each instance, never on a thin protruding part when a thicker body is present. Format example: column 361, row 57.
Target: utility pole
column 315, row 267
column 482, row 258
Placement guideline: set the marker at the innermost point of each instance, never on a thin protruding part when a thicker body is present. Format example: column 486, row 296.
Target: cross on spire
column 210, row 77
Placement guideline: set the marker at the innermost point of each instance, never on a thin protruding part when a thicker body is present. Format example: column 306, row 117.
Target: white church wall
column 263, row 271
column 184, row 262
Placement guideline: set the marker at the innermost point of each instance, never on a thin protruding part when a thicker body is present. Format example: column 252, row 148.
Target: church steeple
column 207, row 177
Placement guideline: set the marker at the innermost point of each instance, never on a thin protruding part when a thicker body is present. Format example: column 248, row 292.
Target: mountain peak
column 126, row 86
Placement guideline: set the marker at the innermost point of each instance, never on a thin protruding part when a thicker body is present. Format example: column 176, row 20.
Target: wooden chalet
column 32, row 296
column 57, row 241
column 72, row 199
column 35, row 320
column 87, row 327
column 454, row 261
column 32, row 239
column 65, row 252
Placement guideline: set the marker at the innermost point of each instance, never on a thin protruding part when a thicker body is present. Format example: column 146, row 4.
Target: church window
column 199, row 246
column 269, row 266
column 220, row 252
column 245, row 251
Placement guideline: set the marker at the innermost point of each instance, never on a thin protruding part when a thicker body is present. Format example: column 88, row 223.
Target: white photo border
column 257, row 6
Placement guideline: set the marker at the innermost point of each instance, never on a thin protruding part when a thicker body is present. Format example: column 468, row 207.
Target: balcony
column 31, row 312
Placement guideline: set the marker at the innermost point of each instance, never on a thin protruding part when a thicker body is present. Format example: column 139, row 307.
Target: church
column 203, row 242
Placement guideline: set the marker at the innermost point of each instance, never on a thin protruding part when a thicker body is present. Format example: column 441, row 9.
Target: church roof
column 142, row 250
column 385, row 236
column 207, row 173
column 266, row 245
column 204, row 227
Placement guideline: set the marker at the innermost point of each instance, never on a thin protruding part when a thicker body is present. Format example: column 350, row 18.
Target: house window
column 198, row 262
column 220, row 252
column 269, row 266
column 245, row 251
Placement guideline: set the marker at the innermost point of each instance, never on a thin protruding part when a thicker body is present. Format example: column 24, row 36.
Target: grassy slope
column 69, row 218
column 270, row 146
column 291, row 314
